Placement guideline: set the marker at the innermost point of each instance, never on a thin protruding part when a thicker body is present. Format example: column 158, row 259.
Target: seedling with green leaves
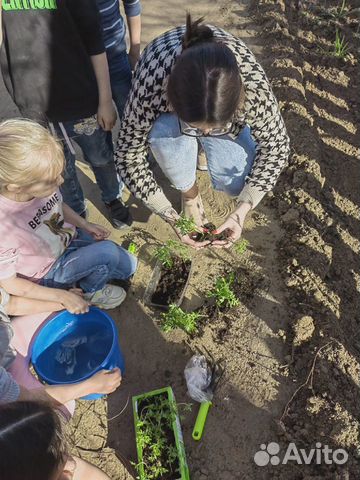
column 165, row 253
column 155, row 421
column 133, row 248
column 223, row 293
column 177, row 318
column 341, row 47
column 241, row 246
column 186, row 225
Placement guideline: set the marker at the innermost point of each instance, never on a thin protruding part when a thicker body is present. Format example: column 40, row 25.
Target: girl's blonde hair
column 28, row 154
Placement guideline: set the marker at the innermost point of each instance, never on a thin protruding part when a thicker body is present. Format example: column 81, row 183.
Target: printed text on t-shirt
column 49, row 205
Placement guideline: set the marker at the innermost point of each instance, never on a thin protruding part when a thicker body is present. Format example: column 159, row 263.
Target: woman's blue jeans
column 229, row 159
column 90, row 265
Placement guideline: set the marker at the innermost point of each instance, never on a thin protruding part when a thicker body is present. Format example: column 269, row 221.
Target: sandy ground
column 265, row 358
column 251, row 393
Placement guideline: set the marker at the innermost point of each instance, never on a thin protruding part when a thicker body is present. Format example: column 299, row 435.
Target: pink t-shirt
column 33, row 235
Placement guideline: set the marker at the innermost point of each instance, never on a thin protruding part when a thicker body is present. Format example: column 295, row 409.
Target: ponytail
column 204, row 86
column 196, row 33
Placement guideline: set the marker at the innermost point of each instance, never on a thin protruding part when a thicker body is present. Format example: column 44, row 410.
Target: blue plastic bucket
column 71, row 348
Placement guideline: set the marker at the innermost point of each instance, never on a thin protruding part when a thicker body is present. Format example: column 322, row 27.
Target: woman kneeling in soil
column 200, row 87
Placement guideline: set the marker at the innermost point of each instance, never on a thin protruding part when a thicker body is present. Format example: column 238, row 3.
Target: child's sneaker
column 120, row 215
column 108, row 297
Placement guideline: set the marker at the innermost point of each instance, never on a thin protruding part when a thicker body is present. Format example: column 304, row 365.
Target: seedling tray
column 154, row 282
column 176, row 429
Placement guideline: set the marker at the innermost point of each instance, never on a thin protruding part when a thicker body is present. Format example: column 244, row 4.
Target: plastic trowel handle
column 201, row 420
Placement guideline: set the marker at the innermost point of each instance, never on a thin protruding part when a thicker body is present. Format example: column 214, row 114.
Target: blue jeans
column 97, row 148
column 120, row 78
column 229, row 159
column 90, row 264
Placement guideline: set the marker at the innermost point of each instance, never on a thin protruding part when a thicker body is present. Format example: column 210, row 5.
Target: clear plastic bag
column 198, row 379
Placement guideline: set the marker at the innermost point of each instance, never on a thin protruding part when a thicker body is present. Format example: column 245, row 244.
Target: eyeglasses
column 187, row 129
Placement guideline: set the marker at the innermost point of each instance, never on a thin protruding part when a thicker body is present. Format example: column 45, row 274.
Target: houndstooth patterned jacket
column 147, row 100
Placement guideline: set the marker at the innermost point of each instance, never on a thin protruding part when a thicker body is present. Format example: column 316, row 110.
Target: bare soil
column 172, row 282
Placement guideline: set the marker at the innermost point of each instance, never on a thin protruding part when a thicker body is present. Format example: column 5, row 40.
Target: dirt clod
column 303, row 330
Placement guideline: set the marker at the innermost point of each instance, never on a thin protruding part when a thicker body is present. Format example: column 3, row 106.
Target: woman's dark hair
column 204, row 85
column 31, row 444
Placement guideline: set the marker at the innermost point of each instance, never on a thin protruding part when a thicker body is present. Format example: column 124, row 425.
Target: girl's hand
column 73, row 302
column 233, row 225
column 105, row 381
column 106, row 115
column 96, row 231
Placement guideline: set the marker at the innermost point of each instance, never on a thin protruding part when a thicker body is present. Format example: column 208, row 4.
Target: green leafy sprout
column 175, row 317
column 241, row 246
column 159, row 456
column 186, row 225
column 223, row 293
column 341, row 47
column 165, row 253
column 133, row 248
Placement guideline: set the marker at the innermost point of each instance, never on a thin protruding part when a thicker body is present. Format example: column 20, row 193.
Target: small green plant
column 223, row 293
column 186, row 225
column 133, row 248
column 179, row 248
column 341, row 47
column 241, row 246
column 177, row 318
column 165, row 253
column 156, row 419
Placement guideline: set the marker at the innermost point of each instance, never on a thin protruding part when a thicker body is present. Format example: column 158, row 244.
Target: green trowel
column 202, row 374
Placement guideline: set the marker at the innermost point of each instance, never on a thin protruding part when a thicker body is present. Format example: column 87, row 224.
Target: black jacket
column 45, row 57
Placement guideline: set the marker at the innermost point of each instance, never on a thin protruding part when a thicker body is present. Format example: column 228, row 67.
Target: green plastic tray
column 184, row 469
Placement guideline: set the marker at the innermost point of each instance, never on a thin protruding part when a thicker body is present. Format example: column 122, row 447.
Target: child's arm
column 133, row 17
column 97, row 231
column 24, row 306
column 104, row 382
column 20, row 287
column 87, row 18
column 106, row 115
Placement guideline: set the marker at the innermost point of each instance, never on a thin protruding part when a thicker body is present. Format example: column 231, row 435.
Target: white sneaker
column 108, row 297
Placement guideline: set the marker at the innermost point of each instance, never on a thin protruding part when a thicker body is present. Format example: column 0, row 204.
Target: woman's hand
column 233, row 226
column 72, row 302
column 96, row 231
column 105, row 381
column 191, row 242
column 170, row 216
column 106, row 115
